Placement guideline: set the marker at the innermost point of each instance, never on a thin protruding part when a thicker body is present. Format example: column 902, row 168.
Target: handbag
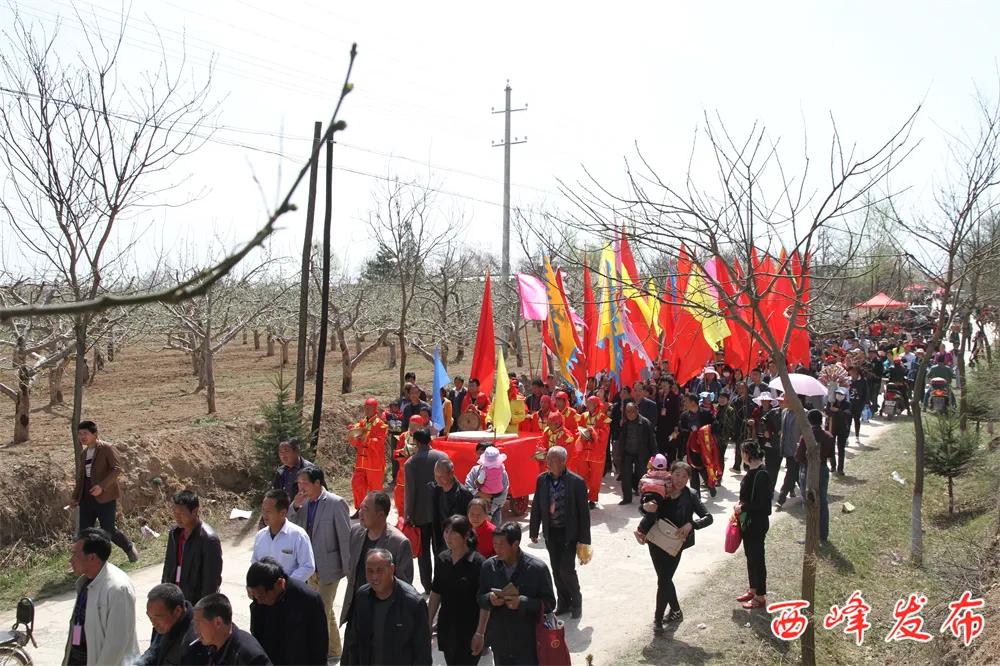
column 411, row 532
column 733, row 536
column 550, row 641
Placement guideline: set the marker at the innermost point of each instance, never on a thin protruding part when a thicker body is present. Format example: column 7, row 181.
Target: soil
column 144, row 403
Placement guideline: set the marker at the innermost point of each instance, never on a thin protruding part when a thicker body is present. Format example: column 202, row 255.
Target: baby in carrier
column 489, row 479
column 655, row 484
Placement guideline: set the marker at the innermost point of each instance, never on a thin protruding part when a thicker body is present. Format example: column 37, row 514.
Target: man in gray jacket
column 102, row 626
column 791, row 433
column 325, row 517
column 419, row 498
column 373, row 532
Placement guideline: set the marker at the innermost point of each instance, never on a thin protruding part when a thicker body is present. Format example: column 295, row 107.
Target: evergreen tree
column 949, row 452
column 284, row 421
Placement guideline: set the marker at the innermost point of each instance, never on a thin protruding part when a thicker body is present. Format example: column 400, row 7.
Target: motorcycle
column 892, row 400
column 940, row 398
column 12, row 642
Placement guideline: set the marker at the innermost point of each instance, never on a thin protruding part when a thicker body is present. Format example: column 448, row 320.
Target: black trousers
column 791, row 476
column 93, row 512
column 562, row 558
column 753, row 548
column 631, row 471
column 426, row 556
column 856, row 417
column 697, row 476
column 665, row 565
column 841, row 451
column 772, row 463
column 460, row 656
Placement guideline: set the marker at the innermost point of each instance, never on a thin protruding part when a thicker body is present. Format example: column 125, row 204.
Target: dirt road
column 619, row 585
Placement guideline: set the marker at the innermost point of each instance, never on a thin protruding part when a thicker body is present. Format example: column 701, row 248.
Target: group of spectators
column 479, row 588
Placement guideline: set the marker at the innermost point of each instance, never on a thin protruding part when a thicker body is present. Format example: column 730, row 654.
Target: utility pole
column 325, row 304
column 300, row 356
column 505, row 257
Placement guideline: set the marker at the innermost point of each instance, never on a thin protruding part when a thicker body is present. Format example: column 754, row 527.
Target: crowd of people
column 666, row 443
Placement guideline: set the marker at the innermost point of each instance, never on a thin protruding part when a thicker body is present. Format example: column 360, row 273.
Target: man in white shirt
column 282, row 539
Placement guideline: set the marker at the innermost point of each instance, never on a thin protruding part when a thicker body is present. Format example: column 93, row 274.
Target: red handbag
column 550, row 643
column 412, row 532
column 733, row 536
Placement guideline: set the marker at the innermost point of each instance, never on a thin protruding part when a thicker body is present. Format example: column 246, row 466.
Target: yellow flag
column 703, row 305
column 500, row 409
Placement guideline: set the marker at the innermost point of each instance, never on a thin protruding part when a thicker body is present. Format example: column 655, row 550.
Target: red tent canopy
column 881, row 301
column 916, row 286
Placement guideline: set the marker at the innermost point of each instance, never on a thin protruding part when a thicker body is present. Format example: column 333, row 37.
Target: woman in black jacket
column 454, row 590
column 752, row 511
column 679, row 507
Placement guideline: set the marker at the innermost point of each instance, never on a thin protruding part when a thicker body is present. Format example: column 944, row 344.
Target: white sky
column 596, row 76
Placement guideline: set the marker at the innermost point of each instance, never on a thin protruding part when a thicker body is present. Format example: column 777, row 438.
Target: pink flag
column 534, row 300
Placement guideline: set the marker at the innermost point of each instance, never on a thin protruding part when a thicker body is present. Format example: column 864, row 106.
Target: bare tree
column 402, row 226
column 758, row 203
column 208, row 323
column 82, row 148
column 938, row 245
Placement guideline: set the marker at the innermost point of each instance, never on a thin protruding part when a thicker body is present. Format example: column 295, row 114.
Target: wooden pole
column 324, row 319
column 300, row 357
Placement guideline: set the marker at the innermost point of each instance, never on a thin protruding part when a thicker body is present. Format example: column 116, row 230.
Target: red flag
column 644, row 331
column 484, row 361
column 597, row 359
column 737, row 345
column 798, row 346
column 691, row 351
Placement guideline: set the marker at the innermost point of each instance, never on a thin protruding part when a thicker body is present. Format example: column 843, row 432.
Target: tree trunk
column 244, row 336
column 311, row 370
column 79, row 377
column 951, row 496
column 21, row 394
column 111, row 346
column 346, row 367
column 98, row 365
column 256, row 340
column 358, row 340
column 55, row 382
column 270, row 345
column 392, row 355
column 207, row 362
column 962, row 382
column 460, row 354
column 401, row 337
column 284, row 351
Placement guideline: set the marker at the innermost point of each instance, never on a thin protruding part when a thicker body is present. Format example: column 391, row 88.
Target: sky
column 597, row 78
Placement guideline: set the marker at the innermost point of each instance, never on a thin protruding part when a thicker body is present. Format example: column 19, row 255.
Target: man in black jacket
column 560, row 508
column 287, row 616
column 388, row 623
column 449, row 498
column 647, row 406
column 509, row 621
column 636, row 445
column 173, row 629
column 859, row 398
column 220, row 642
column 418, row 471
column 194, row 552
column 286, row 477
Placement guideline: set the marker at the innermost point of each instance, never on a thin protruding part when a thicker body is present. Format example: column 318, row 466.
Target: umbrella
column 801, row 384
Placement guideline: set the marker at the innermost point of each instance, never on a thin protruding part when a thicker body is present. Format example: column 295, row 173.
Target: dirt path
column 618, row 585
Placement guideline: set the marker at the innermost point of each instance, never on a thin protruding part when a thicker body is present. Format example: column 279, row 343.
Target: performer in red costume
column 405, row 447
column 367, row 436
column 592, row 447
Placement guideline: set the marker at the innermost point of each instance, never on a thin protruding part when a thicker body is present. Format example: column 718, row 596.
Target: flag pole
column 527, row 344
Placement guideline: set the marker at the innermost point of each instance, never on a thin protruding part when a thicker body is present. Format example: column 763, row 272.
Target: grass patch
column 868, row 551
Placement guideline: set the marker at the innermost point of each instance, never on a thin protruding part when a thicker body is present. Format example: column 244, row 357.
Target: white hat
column 763, row 396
